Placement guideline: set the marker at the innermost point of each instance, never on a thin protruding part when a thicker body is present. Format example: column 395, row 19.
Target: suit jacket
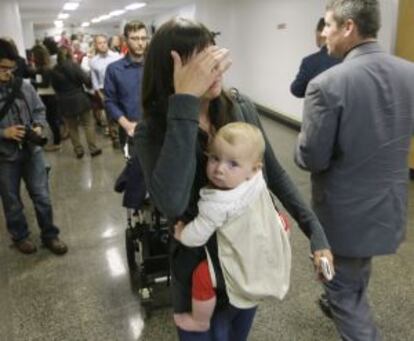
column 310, row 67
column 357, row 125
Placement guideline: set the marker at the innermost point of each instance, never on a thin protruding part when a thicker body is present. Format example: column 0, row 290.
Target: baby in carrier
column 253, row 245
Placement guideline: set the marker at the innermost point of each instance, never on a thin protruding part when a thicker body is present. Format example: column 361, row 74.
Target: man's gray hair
column 365, row 14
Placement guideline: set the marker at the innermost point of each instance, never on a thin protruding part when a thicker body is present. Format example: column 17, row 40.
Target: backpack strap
column 14, row 93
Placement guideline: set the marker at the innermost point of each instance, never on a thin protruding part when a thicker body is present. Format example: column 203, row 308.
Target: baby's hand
column 178, row 229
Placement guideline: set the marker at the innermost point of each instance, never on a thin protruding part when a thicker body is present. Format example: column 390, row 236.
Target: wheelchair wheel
column 132, row 248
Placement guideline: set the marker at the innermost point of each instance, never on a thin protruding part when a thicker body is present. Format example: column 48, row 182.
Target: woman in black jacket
column 184, row 105
column 68, row 80
column 42, row 83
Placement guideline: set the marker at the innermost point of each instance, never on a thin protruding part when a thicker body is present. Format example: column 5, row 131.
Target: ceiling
column 44, row 12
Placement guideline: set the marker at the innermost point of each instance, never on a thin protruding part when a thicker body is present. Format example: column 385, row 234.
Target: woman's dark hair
column 41, row 56
column 7, row 50
column 183, row 36
column 51, row 45
column 64, row 54
column 321, row 25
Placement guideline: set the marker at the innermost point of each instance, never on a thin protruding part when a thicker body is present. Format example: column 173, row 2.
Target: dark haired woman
column 68, row 80
column 184, row 105
column 43, row 85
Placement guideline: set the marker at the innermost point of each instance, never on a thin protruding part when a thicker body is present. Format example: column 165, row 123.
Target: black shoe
column 56, row 246
column 25, row 246
column 325, row 306
column 80, row 155
column 96, row 152
column 411, row 174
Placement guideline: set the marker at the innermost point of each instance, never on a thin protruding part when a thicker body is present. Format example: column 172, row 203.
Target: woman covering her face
column 184, row 105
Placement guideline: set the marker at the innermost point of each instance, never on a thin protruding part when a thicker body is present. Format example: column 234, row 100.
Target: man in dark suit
column 356, row 131
column 313, row 64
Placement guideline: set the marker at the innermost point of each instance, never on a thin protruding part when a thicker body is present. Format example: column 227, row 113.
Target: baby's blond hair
column 244, row 133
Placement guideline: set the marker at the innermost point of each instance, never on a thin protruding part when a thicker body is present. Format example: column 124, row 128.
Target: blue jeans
column 229, row 324
column 30, row 167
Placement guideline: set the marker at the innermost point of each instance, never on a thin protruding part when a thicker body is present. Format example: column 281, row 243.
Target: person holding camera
column 22, row 116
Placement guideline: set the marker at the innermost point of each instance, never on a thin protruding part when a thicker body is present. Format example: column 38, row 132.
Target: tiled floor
column 86, row 294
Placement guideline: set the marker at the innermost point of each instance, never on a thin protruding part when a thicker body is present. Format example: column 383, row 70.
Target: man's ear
column 349, row 27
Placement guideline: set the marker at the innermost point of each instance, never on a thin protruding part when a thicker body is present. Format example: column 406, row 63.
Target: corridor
column 86, row 295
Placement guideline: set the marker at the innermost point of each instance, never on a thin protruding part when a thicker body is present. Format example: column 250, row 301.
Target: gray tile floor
column 86, row 295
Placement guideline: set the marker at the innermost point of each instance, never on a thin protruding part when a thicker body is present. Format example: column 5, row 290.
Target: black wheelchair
column 146, row 240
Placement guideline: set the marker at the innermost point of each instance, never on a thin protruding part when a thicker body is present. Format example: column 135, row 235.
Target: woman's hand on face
column 200, row 71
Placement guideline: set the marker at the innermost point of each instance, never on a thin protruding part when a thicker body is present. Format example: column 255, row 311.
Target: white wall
column 389, row 22
column 11, row 23
column 187, row 11
column 265, row 58
column 28, row 34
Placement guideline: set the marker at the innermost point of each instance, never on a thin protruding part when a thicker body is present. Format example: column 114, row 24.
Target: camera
column 32, row 137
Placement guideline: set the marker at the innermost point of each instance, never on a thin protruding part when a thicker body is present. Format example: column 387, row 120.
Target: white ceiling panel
column 43, row 12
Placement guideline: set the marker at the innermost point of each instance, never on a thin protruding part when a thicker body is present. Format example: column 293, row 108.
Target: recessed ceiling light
column 135, row 5
column 117, row 12
column 63, row 16
column 58, row 23
column 70, row 6
column 85, row 24
column 104, row 17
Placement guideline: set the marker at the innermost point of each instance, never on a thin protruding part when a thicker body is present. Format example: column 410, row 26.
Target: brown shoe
column 96, row 152
column 25, row 246
column 80, row 155
column 56, row 246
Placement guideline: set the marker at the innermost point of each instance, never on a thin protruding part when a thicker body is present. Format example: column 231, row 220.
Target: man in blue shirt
column 313, row 64
column 123, row 81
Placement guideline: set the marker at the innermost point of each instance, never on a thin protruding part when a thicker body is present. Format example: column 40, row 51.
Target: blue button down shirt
column 98, row 66
column 123, row 89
